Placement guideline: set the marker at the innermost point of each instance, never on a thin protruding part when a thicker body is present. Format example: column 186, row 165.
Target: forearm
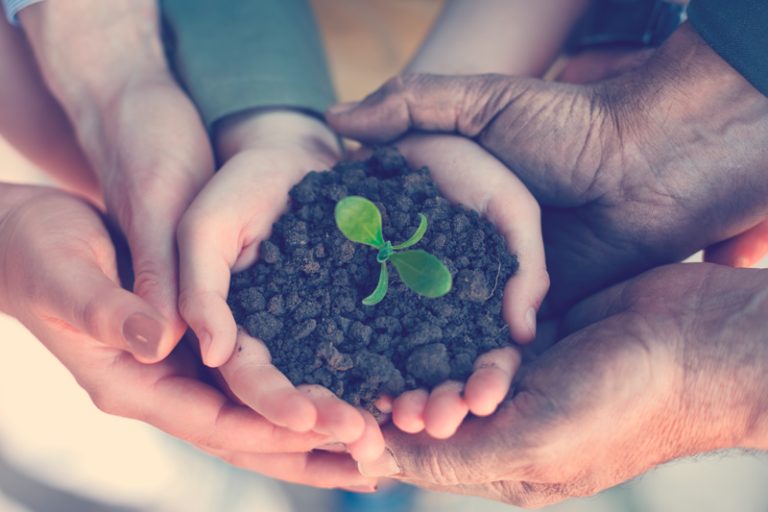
column 248, row 55
column 517, row 37
column 88, row 50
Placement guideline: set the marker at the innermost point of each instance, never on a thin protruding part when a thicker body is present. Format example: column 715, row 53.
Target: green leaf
column 360, row 221
column 381, row 288
column 423, row 273
column 416, row 236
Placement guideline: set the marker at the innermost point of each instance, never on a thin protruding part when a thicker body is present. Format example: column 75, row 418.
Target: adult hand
column 667, row 365
column 104, row 63
column 265, row 152
column 632, row 172
column 467, row 174
column 58, row 276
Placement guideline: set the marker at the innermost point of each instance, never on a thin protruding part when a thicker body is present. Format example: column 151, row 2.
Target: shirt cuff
column 12, row 8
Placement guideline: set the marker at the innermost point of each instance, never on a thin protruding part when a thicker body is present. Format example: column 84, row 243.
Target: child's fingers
column 370, row 445
column 489, row 383
column 517, row 216
column 335, row 418
column 408, row 411
column 204, row 272
column 251, row 376
column 445, row 410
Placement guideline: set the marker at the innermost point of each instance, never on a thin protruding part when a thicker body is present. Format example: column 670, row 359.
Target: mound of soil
column 303, row 296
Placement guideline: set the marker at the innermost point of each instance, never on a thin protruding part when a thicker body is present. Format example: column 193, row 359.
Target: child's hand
column 465, row 173
column 265, row 154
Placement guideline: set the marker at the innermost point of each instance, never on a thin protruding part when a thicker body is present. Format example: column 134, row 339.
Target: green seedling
column 360, row 221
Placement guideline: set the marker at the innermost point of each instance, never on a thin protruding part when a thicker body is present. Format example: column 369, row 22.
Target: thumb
column 432, row 103
column 81, row 296
column 482, row 450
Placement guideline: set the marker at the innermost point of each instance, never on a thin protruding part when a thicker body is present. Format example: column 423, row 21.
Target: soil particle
column 303, row 296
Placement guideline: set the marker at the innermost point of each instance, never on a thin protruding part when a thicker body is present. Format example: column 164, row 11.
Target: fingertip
column 370, row 446
column 303, row 414
column 523, row 295
column 445, row 410
column 490, row 382
column 408, row 411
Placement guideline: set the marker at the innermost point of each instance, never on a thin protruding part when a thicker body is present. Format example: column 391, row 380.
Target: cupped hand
column 631, row 172
column 667, row 365
column 467, row 174
column 58, row 276
column 265, row 153
column 104, row 63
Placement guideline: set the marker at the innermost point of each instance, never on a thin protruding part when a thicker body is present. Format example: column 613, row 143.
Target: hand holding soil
column 304, row 298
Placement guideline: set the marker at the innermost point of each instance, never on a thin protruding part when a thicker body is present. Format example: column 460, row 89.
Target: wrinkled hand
column 667, row 365
column 104, row 63
column 58, row 276
column 631, row 172
column 265, row 154
column 465, row 173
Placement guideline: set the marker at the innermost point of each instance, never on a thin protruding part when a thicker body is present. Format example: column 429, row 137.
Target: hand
column 104, row 63
column 667, row 365
column 632, row 172
column 58, row 276
column 467, row 174
column 265, row 152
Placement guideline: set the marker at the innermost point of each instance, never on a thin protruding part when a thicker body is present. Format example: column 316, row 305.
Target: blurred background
column 58, row 453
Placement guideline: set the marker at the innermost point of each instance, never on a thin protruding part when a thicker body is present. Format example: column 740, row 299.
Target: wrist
column 89, row 50
column 267, row 128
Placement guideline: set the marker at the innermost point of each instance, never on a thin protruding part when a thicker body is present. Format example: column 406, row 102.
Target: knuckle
column 149, row 279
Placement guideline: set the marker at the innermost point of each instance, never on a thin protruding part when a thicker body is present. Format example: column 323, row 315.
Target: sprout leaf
column 416, row 236
column 360, row 221
column 423, row 273
column 381, row 288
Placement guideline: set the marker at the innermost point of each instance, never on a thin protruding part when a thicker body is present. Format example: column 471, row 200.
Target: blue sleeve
column 12, row 8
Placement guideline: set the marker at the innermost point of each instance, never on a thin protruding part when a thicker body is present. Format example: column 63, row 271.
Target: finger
column 335, row 418
column 153, row 253
column 445, row 410
column 517, row 216
column 743, row 250
column 408, row 411
column 262, row 387
column 482, row 450
column 432, row 103
column 204, row 275
column 195, row 412
column 318, row 469
column 489, row 383
column 81, row 290
column 370, row 445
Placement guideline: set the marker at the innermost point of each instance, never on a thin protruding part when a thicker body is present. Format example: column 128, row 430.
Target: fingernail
column 386, row 465
column 333, row 447
column 362, row 488
column 530, row 320
column 142, row 333
column 340, row 108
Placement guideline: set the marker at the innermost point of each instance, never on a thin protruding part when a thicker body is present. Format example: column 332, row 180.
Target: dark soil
column 303, row 296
